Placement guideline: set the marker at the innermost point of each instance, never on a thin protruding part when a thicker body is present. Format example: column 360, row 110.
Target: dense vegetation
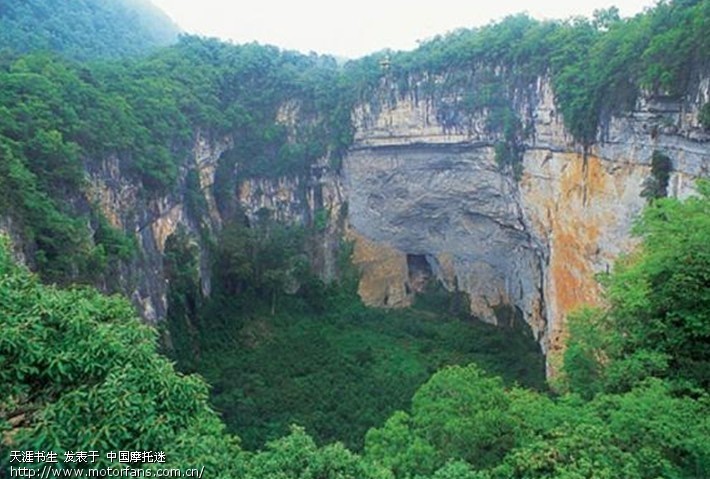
column 78, row 371
column 84, row 29
column 597, row 67
column 316, row 355
column 59, row 118
column 659, row 320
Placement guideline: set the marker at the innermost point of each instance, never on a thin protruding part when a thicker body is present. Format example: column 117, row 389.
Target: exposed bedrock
column 419, row 182
column 451, row 205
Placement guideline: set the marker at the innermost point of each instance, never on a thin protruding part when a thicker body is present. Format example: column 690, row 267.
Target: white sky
column 353, row 28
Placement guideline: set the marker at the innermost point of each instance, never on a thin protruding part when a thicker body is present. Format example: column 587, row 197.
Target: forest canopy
column 85, row 29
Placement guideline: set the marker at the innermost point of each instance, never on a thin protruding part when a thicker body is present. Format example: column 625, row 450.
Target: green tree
column 78, row 371
column 668, row 435
column 83, row 29
column 660, row 300
column 297, row 456
column 584, row 450
column 646, row 433
column 464, row 414
column 459, row 414
column 180, row 260
column 397, row 446
column 704, row 116
column 656, row 186
column 457, row 470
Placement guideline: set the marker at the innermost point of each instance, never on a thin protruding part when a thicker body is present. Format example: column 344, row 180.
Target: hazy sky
column 354, row 28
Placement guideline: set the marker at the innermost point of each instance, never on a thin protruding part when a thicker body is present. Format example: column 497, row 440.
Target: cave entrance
column 419, row 272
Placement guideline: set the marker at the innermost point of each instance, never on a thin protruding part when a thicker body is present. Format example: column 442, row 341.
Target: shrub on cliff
column 704, row 116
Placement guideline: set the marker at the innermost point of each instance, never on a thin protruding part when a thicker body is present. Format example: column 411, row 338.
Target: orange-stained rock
column 384, row 273
column 583, row 206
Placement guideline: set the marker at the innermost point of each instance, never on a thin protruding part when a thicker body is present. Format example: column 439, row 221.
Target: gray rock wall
column 450, row 201
column 419, row 184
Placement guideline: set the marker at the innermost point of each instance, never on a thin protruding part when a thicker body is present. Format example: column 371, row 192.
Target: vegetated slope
column 340, row 373
column 85, row 29
column 314, row 355
column 338, row 370
column 79, row 371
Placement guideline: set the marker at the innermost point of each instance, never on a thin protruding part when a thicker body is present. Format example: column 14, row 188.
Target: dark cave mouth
column 420, row 273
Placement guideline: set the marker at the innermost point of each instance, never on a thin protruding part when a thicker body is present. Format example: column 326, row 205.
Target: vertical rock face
column 419, row 184
column 580, row 207
column 151, row 220
column 316, row 200
column 9, row 229
column 447, row 200
column 583, row 205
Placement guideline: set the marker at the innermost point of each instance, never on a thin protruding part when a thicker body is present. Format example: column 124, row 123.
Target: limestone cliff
column 421, row 184
column 151, row 220
column 435, row 200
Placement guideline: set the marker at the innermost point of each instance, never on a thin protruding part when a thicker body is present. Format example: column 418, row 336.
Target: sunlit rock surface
column 421, row 183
